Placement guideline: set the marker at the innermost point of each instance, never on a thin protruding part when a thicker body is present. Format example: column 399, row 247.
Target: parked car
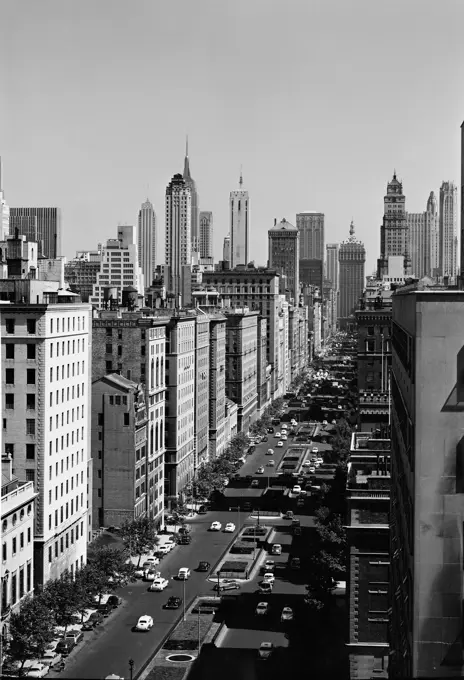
column 37, row 670
column 173, row 603
column 185, row 529
column 215, row 526
column 295, row 563
column 150, row 574
column 265, row 587
column 94, row 619
column 315, row 449
column 296, row 489
column 296, row 530
column 75, row 635
column 51, row 659
column 277, row 435
column 269, row 565
column 287, row 614
column 280, row 444
column 144, row 624
column 64, row 647
column 230, row 527
column 265, row 650
column 289, row 514
column 284, row 438
column 114, row 601
column 269, row 577
column 105, row 609
column 204, row 566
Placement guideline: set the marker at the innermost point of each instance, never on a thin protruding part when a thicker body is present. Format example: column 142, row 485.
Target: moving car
column 277, row 435
column 260, row 470
column 159, row 584
column 312, row 470
column 215, row 526
column 315, row 449
column 204, row 566
column 173, row 603
column 271, row 463
column 270, row 452
column 307, row 463
column 270, row 430
column 144, row 624
column 183, row 574
column 94, row 620
column 262, row 609
column 202, row 510
column 269, row 565
column 230, row 527
column 37, row 670
column 289, row 514
column 276, row 549
column 280, row 444
column 269, row 577
column 186, row 539
column 287, row 614
column 296, row 489
column 265, row 587
column 255, row 483
column 265, row 650
column 227, row 585
column 295, row 563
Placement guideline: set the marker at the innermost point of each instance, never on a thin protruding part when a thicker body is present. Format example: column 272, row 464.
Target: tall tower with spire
column 394, row 237
column 190, row 184
column 239, row 225
column 4, row 209
column 351, row 257
column 146, row 241
column 178, row 242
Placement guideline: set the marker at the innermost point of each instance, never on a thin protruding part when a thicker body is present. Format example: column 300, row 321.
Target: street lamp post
column 131, row 668
column 183, row 600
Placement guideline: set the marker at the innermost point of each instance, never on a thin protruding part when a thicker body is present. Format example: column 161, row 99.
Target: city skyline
column 57, row 146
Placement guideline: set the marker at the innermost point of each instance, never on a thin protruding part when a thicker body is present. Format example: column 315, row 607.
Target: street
column 109, row 648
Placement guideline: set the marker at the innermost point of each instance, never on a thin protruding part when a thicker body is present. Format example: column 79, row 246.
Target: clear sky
column 318, row 100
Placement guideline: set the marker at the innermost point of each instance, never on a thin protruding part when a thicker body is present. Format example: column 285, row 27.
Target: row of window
column 10, row 325
column 18, row 587
column 69, row 394
column 15, row 543
column 68, row 442
column 66, row 511
column 71, row 344
column 67, row 488
column 10, row 350
column 16, row 516
column 65, row 541
column 62, row 326
column 69, row 413
column 70, row 367
column 50, row 468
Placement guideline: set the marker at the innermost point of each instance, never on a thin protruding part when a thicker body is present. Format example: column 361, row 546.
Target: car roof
column 263, row 604
column 267, row 644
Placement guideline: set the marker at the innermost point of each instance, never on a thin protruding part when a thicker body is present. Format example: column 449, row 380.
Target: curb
column 220, row 635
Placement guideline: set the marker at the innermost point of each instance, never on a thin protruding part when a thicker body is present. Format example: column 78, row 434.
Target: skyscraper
column 423, row 239
column 4, row 209
column 146, row 241
column 239, row 226
column 178, row 233
column 226, row 249
column 190, row 183
column 351, row 256
column 206, row 234
column 448, row 221
column 39, row 224
column 394, row 239
column 332, row 264
column 284, row 255
column 311, row 227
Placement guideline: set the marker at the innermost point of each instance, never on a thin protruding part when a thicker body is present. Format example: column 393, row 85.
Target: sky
column 318, row 101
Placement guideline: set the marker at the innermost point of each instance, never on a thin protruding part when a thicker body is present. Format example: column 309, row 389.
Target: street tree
column 90, row 582
column 139, row 536
column 31, row 629
column 62, row 598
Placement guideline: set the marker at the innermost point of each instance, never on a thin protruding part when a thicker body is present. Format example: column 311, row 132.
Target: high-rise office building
column 146, row 241
column 4, row 210
column 332, row 264
column 226, row 249
column 284, row 255
column 206, row 234
column 423, row 240
column 312, row 273
column 239, row 226
column 42, row 225
column 448, row 221
column 178, row 234
column 351, row 257
column 394, row 240
column 190, row 183
column 311, row 227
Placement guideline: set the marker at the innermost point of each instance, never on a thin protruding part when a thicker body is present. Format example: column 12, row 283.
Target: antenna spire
column 186, row 145
column 241, row 178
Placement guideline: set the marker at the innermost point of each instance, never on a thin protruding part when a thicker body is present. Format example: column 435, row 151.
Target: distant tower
column 39, row 224
column 332, row 264
column 239, row 226
column 178, row 234
column 448, row 229
column 311, row 227
column 4, row 209
column 423, row 240
column 351, row 256
column 190, row 183
column 394, row 240
column 146, row 241
column 206, row 234
column 226, row 249
column 284, row 255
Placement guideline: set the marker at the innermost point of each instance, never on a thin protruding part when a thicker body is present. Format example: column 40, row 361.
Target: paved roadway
column 109, row 648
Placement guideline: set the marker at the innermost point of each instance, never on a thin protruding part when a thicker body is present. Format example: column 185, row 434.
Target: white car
column 316, row 464
column 262, row 608
column 38, row 670
column 170, row 545
column 152, row 560
column 277, row 435
column 280, row 444
column 307, row 463
column 183, row 573
column 159, row 584
column 265, row 650
column 229, row 528
column 287, row 614
column 271, row 463
column 150, row 574
column 296, row 489
column 144, row 623
column 284, row 437
column 312, row 470
column 164, row 549
column 270, row 452
column 293, row 422
column 138, row 573
column 284, row 428
column 260, row 470
column 215, row 526
column 314, row 449
column 265, row 587
column 319, row 460
column 269, row 577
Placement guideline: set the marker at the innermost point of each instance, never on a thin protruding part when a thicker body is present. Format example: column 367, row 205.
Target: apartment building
column 264, row 370
column 135, row 346
column 119, row 451
column 201, row 389
column 217, row 385
column 241, row 364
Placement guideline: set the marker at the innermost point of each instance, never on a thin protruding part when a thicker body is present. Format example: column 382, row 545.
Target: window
column 9, row 450
column 30, row 376
column 109, row 332
column 126, row 419
column 4, row 552
column 9, row 401
column 109, row 348
column 30, row 426
column 14, row 545
column 21, row 540
column 370, row 346
column 30, row 476
column 100, row 419
column 10, row 326
column 9, row 376
column 30, row 351
column 109, row 366
column 30, row 451
column 31, row 326
column 370, row 330
column 30, row 401
column 9, row 351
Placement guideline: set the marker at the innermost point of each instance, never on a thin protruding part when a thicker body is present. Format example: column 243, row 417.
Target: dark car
column 185, row 529
column 295, row 563
column 295, row 522
column 114, row 601
column 184, row 540
column 204, row 566
column 297, row 531
column 173, row 603
column 74, row 635
column 230, row 585
column 65, row 647
column 202, row 510
column 249, row 478
column 270, row 430
column 105, row 609
column 94, row 620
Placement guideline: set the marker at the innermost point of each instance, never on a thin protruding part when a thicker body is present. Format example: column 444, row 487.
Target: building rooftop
column 119, row 381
